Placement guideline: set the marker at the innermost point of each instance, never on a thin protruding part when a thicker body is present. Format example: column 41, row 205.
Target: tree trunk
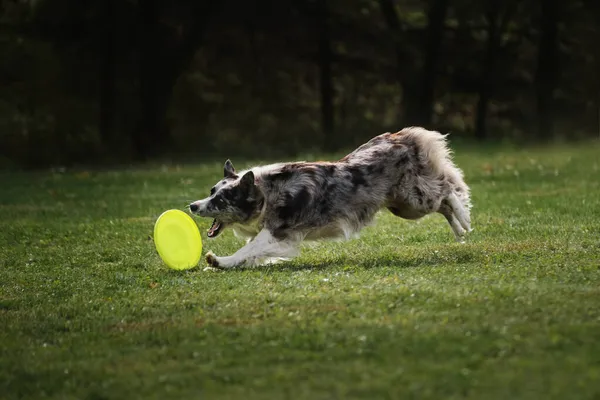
column 485, row 85
column 417, row 87
column 547, row 69
column 405, row 77
column 326, row 79
column 435, row 33
column 163, row 57
column 487, row 75
column 151, row 130
column 107, row 114
column 497, row 24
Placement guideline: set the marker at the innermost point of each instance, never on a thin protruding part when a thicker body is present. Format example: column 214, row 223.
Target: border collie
column 275, row 207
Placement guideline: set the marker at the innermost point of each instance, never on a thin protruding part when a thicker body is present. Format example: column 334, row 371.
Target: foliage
column 88, row 311
column 109, row 80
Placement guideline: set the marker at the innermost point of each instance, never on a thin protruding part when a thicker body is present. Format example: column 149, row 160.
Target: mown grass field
column 88, row 311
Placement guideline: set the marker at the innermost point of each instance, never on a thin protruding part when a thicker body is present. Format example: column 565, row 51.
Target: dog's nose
column 193, row 207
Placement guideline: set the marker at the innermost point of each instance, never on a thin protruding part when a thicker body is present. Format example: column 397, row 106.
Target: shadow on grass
column 425, row 258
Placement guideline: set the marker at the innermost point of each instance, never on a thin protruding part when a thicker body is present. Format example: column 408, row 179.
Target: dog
column 275, row 207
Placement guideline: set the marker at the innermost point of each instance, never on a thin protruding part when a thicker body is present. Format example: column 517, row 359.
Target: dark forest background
column 119, row 80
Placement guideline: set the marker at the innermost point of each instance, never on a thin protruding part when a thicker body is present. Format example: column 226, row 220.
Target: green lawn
column 88, row 311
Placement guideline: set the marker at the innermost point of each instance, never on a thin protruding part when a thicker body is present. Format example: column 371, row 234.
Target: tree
column 404, row 70
column 548, row 65
column 107, row 115
column 418, row 84
column 435, row 33
column 325, row 76
column 497, row 21
column 165, row 51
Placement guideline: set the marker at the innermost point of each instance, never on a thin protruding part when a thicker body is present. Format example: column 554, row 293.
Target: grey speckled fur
column 277, row 206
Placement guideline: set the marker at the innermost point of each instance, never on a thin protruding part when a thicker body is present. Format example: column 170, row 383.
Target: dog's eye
column 212, row 191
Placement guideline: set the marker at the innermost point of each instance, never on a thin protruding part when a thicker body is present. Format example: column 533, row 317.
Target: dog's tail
column 434, row 148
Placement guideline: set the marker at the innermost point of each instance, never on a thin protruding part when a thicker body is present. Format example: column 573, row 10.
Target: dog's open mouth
column 215, row 229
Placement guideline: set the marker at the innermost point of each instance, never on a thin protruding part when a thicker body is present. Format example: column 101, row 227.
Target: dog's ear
column 228, row 170
column 247, row 181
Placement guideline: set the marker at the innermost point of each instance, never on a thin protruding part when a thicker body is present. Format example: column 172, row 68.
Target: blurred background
column 112, row 81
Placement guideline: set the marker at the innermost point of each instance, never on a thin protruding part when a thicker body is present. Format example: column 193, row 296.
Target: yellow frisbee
column 177, row 240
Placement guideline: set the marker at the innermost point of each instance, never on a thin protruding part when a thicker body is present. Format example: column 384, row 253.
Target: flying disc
column 177, row 240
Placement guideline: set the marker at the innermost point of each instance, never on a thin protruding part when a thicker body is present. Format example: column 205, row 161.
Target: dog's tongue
column 214, row 228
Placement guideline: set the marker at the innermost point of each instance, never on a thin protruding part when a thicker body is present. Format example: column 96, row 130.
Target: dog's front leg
column 264, row 246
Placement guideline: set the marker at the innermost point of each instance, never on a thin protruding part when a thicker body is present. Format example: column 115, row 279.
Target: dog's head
column 234, row 199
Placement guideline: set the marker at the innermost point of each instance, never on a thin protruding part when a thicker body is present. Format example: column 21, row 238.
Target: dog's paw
column 213, row 261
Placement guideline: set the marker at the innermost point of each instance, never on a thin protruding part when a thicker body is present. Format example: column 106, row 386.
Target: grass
column 87, row 309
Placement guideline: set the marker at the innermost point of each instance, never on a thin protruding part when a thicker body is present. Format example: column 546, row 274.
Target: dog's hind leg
column 460, row 211
column 264, row 246
column 457, row 215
